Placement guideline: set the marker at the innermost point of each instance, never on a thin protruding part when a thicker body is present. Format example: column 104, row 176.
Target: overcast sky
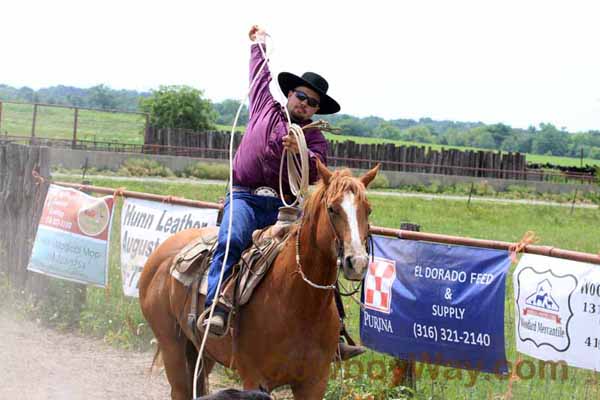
column 517, row 62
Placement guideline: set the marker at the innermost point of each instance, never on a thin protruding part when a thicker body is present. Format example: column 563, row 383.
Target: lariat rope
column 298, row 175
column 297, row 166
column 298, row 170
column 230, row 222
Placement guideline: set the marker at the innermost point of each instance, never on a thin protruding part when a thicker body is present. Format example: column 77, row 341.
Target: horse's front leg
column 311, row 389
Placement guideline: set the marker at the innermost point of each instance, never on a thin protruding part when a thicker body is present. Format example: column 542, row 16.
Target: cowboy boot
column 218, row 322
column 347, row 351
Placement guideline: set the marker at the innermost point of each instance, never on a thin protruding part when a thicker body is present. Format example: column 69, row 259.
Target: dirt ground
column 39, row 363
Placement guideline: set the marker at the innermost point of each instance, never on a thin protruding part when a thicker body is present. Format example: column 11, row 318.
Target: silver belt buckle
column 265, row 191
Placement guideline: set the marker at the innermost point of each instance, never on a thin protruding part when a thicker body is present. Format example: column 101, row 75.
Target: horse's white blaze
column 349, row 207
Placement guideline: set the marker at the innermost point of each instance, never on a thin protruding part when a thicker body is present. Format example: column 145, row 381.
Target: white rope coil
column 297, row 169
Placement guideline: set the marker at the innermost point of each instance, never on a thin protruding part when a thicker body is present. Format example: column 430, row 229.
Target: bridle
column 340, row 255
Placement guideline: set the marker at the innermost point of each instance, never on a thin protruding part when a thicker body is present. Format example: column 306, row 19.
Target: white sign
column 558, row 310
column 145, row 225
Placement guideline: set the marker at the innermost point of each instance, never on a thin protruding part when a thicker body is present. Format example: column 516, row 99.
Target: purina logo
column 378, row 284
column 543, row 307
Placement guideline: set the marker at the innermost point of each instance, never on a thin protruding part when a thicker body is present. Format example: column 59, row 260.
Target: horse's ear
column 370, row 175
column 324, row 172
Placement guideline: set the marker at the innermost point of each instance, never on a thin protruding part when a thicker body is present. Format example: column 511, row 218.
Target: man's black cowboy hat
column 289, row 81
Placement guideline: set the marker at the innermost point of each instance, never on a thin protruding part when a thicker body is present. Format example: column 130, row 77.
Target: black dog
column 233, row 394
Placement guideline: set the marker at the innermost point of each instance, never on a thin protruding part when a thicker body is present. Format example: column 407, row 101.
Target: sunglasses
column 311, row 101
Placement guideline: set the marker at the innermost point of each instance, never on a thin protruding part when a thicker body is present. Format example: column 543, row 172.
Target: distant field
column 129, row 128
column 52, row 122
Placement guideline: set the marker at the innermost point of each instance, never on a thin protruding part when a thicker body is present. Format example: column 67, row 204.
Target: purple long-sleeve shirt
column 258, row 156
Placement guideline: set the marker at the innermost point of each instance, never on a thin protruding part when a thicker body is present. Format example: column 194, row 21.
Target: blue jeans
column 250, row 212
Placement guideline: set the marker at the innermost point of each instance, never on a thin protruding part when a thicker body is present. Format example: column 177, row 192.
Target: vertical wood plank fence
column 421, row 159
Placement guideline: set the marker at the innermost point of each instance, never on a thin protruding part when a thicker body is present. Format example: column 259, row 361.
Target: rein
column 299, row 269
column 339, row 261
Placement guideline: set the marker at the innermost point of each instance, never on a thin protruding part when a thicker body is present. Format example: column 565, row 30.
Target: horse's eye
column 369, row 211
column 331, row 210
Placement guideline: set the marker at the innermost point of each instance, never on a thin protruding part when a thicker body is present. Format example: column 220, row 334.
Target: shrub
column 144, row 167
column 205, row 170
column 380, row 182
column 483, row 188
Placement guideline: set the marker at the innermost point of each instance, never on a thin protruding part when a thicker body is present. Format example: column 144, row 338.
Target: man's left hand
column 290, row 144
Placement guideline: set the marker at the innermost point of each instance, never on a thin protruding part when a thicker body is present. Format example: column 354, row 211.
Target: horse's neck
column 317, row 262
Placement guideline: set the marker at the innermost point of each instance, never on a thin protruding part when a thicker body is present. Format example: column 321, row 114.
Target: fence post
column 470, row 194
column 35, row 109
column 75, row 118
column 21, row 203
column 573, row 203
column 147, row 129
column 406, row 368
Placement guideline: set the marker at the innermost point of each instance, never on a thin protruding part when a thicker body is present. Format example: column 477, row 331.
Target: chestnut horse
column 287, row 334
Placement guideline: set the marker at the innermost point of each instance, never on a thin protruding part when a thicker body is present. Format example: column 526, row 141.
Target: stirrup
column 219, row 323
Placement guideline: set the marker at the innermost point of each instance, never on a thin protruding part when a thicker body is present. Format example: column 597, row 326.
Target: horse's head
column 347, row 213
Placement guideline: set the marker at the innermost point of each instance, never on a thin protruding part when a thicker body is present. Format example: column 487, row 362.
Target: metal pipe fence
column 399, row 233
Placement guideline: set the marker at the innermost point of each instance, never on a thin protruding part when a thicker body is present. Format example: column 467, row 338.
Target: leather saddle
column 191, row 264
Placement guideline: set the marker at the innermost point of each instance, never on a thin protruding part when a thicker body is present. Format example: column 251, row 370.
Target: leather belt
column 262, row 191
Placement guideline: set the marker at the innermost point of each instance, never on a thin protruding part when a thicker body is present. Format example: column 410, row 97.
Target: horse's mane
column 340, row 182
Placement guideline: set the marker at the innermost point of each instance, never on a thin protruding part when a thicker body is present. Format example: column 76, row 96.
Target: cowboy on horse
column 256, row 169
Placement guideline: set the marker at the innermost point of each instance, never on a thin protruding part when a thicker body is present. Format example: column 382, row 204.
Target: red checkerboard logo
column 378, row 284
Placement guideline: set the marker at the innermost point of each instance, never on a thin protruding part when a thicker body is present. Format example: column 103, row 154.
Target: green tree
column 386, row 130
column 226, row 111
column 550, row 140
column 179, row 107
column 419, row 133
column 499, row 133
column 103, row 97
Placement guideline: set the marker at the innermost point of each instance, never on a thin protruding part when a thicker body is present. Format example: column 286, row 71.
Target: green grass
column 118, row 319
column 227, row 128
column 57, row 123
column 532, row 158
column 567, row 161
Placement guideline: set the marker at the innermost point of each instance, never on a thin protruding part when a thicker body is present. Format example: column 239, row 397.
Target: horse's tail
column 157, row 360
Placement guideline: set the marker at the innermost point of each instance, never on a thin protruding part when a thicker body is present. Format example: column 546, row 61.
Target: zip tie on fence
column 119, row 192
column 514, row 377
column 170, row 199
column 39, row 180
column 528, row 238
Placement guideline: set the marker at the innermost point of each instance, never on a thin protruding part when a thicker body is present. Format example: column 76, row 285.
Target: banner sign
column 72, row 238
column 436, row 303
column 145, row 224
column 558, row 310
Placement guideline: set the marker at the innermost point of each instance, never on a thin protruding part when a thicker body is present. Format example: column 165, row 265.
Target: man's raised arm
column 260, row 96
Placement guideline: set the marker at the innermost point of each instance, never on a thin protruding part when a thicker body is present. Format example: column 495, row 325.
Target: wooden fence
column 21, row 202
column 394, row 158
